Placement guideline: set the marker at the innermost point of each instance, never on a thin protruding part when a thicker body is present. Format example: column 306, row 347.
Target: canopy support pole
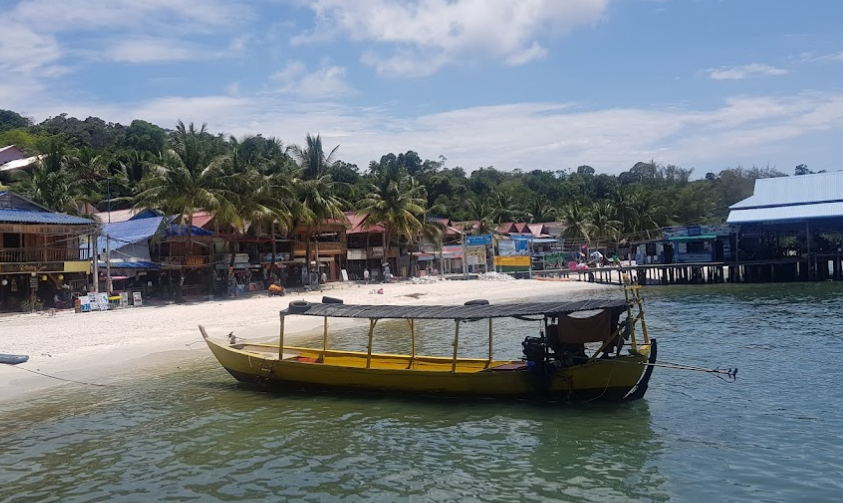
column 412, row 324
column 456, row 345
column 325, row 338
column 281, row 339
column 490, row 344
column 372, row 323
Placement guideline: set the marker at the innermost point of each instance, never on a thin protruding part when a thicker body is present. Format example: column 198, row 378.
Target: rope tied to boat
column 726, row 374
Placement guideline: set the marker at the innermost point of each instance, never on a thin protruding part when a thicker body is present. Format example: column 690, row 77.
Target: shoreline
column 101, row 346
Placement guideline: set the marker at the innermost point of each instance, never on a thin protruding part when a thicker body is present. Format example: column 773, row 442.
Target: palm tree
column 186, row 179
column 540, row 209
column 315, row 190
column 479, row 210
column 50, row 183
column 505, row 208
column 603, row 224
column 312, row 158
column 396, row 201
column 577, row 220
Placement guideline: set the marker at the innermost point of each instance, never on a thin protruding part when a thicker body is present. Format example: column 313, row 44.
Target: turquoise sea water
column 194, row 434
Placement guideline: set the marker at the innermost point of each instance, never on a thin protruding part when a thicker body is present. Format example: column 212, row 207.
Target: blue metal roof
column 40, row 217
column 181, row 230
column 794, row 190
column 126, row 264
column 129, row 232
column 785, row 213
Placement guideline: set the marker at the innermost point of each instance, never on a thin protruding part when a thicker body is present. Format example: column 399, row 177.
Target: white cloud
column 835, row 57
column 326, row 82
column 744, row 130
column 744, row 72
column 421, row 36
column 152, row 50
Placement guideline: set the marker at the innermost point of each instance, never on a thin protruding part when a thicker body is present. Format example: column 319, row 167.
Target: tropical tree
column 539, row 209
column 577, row 220
column 396, row 202
column 187, row 178
column 480, row 211
column 50, row 183
column 603, row 223
column 316, row 191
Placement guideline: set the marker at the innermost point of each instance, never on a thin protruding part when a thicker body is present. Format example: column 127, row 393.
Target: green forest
column 281, row 184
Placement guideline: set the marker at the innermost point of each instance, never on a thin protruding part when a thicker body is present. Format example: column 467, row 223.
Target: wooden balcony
column 23, row 255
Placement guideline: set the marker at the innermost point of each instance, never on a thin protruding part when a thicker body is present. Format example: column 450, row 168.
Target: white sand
column 99, row 346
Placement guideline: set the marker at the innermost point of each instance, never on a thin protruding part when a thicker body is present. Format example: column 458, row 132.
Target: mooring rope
column 61, row 378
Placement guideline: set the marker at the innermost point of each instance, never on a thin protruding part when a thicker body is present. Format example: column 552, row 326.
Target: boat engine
column 535, row 350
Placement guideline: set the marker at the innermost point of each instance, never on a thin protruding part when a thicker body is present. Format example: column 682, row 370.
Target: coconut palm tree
column 539, row 209
column 396, row 201
column 577, row 221
column 479, row 210
column 311, row 158
column 187, row 178
column 315, row 189
column 603, row 223
column 50, row 183
column 433, row 229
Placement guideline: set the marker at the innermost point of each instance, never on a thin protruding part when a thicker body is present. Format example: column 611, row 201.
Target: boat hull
column 601, row 379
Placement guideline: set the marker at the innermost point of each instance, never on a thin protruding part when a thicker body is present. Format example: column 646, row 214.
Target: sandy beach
column 99, row 347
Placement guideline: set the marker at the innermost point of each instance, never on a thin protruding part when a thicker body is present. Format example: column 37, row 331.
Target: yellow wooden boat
column 573, row 357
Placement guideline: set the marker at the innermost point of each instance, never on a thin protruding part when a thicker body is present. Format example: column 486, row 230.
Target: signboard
column 33, row 283
column 98, row 301
column 124, row 299
column 137, row 299
column 513, row 261
column 34, row 267
column 356, row 254
column 482, row 240
column 475, row 255
column 508, row 248
column 344, row 274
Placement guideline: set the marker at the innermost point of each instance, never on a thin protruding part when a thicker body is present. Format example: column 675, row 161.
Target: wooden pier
column 818, row 268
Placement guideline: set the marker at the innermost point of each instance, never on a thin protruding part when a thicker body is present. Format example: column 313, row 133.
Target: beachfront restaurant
column 697, row 244
column 42, row 264
column 791, row 229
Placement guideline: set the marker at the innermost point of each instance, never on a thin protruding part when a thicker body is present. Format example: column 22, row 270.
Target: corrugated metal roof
column 804, row 189
column 40, row 217
column 556, row 308
column 129, row 264
column 785, row 213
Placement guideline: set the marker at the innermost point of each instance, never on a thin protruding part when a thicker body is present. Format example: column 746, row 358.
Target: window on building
column 11, row 240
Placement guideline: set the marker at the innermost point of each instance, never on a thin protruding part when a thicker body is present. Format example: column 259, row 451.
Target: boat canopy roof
column 550, row 309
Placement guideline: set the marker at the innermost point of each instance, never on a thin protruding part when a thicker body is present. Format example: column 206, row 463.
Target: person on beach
column 366, row 275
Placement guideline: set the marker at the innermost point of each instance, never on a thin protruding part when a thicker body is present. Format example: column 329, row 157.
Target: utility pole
column 464, row 255
column 96, row 261
column 108, row 264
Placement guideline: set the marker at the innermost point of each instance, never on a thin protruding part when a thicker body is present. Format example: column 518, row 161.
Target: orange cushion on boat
column 308, row 359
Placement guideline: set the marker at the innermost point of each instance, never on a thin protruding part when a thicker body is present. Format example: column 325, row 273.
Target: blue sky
column 529, row 84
